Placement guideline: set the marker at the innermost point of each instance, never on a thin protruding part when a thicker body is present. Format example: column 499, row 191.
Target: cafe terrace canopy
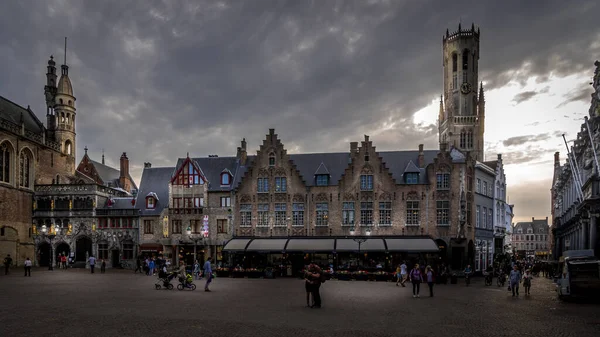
column 414, row 244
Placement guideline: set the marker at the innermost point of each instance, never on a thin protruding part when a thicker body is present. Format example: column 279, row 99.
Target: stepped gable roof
column 337, row 162
column 154, row 180
column 13, row 113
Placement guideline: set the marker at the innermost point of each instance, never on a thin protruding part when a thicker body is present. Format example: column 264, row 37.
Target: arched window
column 62, row 117
column 68, row 147
column 454, row 62
column 25, row 169
column 68, row 119
column 57, row 179
column 465, row 59
column 61, row 101
column 271, row 159
column 70, row 103
column 225, row 178
column 5, row 162
column 463, row 139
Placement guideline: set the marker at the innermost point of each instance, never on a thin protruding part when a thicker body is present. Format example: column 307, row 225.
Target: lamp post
column 50, row 237
column 360, row 240
column 188, row 231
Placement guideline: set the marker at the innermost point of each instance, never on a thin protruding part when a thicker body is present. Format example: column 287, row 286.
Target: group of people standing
column 313, row 278
column 416, row 276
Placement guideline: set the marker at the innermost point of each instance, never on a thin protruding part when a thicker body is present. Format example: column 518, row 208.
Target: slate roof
column 12, row 112
column 539, row 226
column 493, row 164
column 154, row 180
column 336, row 163
column 412, row 168
column 110, row 175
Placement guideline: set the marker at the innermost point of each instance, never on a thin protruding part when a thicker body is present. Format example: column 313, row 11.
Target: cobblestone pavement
column 120, row 303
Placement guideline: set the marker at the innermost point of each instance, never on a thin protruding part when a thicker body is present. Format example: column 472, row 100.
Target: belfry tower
column 60, row 108
column 462, row 107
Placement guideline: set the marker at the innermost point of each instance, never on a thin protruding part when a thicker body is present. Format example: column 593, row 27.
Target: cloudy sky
column 158, row 79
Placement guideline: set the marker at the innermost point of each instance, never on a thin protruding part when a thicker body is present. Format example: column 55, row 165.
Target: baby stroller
column 164, row 280
column 186, row 283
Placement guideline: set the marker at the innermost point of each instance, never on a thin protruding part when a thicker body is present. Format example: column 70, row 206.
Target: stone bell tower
column 462, row 106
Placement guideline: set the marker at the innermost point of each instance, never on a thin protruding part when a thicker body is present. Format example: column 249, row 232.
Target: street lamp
column 188, row 231
column 360, row 241
column 50, row 237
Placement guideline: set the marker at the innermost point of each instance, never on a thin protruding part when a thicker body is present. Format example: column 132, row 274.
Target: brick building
column 532, row 239
column 34, row 154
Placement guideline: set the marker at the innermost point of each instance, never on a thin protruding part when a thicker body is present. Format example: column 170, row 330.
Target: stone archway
column 44, row 254
column 83, row 248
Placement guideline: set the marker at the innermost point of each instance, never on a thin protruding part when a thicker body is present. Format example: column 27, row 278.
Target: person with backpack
column 416, row 277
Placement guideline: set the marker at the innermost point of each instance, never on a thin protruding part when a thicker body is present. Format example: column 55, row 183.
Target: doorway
column 114, row 258
column 62, row 249
column 44, row 254
column 83, row 249
column 457, row 257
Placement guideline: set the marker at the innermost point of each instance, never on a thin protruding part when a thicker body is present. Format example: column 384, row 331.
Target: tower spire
column 103, row 157
column 65, row 63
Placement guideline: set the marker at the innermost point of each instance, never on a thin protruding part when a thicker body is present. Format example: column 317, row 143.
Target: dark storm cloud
column 520, row 140
column 160, row 78
column 527, row 95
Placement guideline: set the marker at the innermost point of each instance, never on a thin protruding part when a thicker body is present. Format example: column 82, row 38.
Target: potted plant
column 238, row 273
column 361, row 275
column 343, row 275
column 381, row 275
column 223, row 272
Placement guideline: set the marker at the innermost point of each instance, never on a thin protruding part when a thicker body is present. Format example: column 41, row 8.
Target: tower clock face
column 465, row 88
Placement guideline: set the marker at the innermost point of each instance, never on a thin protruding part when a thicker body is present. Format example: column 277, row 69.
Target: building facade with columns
column 575, row 189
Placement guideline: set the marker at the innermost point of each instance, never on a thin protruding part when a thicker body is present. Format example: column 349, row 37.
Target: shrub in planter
column 238, row 273
column 343, row 275
column 361, row 275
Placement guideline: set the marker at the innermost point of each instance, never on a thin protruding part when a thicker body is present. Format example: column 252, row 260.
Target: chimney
column 124, row 173
column 353, row 149
column 556, row 158
column 499, row 156
column 532, row 218
column 421, row 156
column 242, row 155
column 147, row 165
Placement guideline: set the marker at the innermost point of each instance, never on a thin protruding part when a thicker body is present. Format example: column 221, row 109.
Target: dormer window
column 151, row 200
column 225, row 178
column 322, row 179
column 271, row 159
column 411, row 178
column 150, row 203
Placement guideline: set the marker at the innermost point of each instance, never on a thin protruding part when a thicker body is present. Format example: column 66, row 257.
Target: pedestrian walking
column 103, row 267
column 308, row 285
column 430, row 279
column 151, row 267
column 527, row 281
column 7, row 264
column 416, row 277
column 208, row 273
column 515, row 280
column 27, row 267
column 92, row 261
column 403, row 273
column 196, row 270
column 138, row 266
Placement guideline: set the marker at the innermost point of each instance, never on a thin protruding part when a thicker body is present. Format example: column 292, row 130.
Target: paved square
column 120, row 303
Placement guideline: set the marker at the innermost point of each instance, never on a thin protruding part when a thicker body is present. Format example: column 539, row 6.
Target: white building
column 503, row 212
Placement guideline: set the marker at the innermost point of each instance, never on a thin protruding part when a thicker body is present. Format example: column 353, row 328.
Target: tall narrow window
column 271, row 159
column 221, row 226
column 298, row 214
column 454, row 62
column 263, row 215
column 455, row 81
column 24, row 169
column 280, row 184
column 280, row 214
column 262, row 185
column 465, row 59
column 245, row 215
column 176, row 226
column 385, row 213
column 366, row 182
column 477, row 215
column 366, row 213
column 322, row 215
column 5, row 163
column 127, row 250
column 443, row 181
column 348, row 213
column 443, row 212
column 484, row 218
column 463, row 139
column 412, row 213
